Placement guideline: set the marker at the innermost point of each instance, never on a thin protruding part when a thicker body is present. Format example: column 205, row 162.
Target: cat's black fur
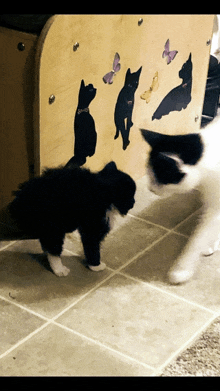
column 65, row 199
column 84, row 126
column 187, row 147
column 124, row 106
column 179, row 97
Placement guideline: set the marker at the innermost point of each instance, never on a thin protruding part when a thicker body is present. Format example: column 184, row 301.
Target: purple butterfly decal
column 167, row 53
column 108, row 78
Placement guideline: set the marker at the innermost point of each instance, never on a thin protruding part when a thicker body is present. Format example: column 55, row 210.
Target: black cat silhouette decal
column 179, row 97
column 124, row 106
column 84, row 126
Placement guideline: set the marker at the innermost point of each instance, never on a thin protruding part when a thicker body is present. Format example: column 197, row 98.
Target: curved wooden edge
column 36, row 108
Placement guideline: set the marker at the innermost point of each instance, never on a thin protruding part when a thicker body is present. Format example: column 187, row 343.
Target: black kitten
column 124, row 106
column 179, row 97
column 65, row 199
column 84, row 126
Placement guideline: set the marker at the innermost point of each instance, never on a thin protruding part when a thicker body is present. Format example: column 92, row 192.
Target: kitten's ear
column 110, row 167
column 108, row 170
column 152, row 138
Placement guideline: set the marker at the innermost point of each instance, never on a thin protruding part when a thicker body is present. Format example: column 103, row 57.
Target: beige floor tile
column 73, row 243
column 154, row 264
column 135, row 319
column 187, row 227
column 129, row 239
column 153, row 267
column 200, row 359
column 57, row 352
column 168, row 212
column 4, row 243
column 15, row 324
column 204, row 287
column 25, row 273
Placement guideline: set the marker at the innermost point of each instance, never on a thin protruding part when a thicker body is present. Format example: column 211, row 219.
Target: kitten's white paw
column 179, row 276
column 62, row 271
column 98, row 268
column 56, row 265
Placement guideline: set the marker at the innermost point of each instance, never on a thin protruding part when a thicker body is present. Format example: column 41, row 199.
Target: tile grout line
column 164, row 291
column 8, row 245
column 83, row 296
column 185, row 346
column 170, row 230
column 97, row 342
column 185, row 220
column 161, row 226
column 53, row 321
column 149, row 222
column 24, row 308
column 140, row 253
column 23, row 340
column 71, row 252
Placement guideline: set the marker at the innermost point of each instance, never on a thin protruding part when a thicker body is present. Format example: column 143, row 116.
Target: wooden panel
column 100, row 36
column 16, row 110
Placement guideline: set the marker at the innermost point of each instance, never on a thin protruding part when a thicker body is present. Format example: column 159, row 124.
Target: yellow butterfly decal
column 154, row 86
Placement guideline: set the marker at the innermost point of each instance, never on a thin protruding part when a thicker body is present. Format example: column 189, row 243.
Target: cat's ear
column 152, row 138
column 171, row 156
column 128, row 73
column 139, row 71
column 82, row 84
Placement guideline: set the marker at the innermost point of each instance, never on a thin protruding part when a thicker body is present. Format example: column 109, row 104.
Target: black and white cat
column 124, row 106
column 67, row 198
column 179, row 164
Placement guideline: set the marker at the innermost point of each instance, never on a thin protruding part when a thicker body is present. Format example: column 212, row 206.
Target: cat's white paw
column 211, row 249
column 62, row 271
column 208, row 252
column 179, row 276
column 98, row 268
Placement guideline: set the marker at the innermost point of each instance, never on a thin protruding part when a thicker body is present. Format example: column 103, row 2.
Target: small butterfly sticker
column 169, row 54
column 154, row 87
column 108, row 78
